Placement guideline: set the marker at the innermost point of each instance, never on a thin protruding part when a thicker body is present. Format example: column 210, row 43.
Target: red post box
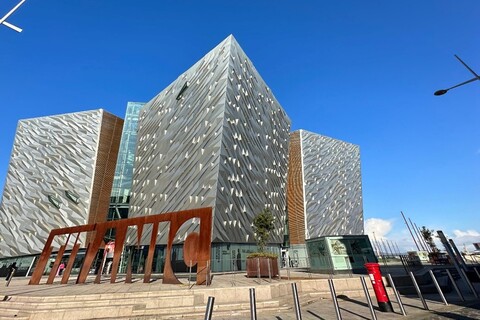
column 375, row 275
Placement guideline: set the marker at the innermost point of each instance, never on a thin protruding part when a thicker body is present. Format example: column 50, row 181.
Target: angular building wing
column 324, row 188
column 215, row 137
column 60, row 174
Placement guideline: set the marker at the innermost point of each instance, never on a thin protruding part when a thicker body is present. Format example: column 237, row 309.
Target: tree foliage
column 262, row 227
column 428, row 235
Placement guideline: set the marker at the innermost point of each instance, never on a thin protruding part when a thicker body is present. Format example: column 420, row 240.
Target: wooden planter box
column 254, row 265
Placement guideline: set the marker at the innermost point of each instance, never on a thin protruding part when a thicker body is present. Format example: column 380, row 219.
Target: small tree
column 427, row 234
column 262, row 226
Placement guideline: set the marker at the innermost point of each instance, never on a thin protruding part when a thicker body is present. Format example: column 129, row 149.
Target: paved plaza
column 231, row 293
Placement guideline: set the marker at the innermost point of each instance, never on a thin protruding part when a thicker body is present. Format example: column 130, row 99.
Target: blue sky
column 359, row 71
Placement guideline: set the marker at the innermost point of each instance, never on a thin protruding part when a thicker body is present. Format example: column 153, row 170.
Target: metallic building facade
column 324, row 187
column 60, row 174
column 215, row 137
column 122, row 181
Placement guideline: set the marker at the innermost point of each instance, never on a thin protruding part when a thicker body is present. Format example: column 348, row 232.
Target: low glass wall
column 337, row 254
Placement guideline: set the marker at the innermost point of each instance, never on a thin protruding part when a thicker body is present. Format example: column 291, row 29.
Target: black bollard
column 298, row 313
column 253, row 305
column 209, row 311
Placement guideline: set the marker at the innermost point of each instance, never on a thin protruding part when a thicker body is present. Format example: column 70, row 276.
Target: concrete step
column 65, row 302
column 171, row 304
column 2, row 317
column 164, row 308
column 103, row 296
column 222, row 311
column 10, row 314
column 74, row 313
column 140, row 312
column 230, row 307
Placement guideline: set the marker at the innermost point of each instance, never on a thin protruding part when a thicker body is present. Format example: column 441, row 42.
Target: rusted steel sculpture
column 196, row 247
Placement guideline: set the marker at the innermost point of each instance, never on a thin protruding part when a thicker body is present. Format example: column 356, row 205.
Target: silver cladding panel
column 333, row 186
column 50, row 155
column 223, row 144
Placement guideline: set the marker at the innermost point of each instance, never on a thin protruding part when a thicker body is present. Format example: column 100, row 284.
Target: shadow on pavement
column 361, row 303
column 450, row 315
column 413, row 306
column 356, row 314
column 315, row 315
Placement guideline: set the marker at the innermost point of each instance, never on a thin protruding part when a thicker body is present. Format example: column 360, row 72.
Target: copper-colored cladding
column 176, row 220
column 58, row 261
column 106, row 161
column 190, row 249
column 295, row 203
column 56, row 264
column 151, row 250
column 47, row 250
column 120, row 237
column 71, row 260
column 265, row 266
column 128, row 277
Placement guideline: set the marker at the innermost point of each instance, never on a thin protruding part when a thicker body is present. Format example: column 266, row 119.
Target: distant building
column 215, row 137
column 122, row 181
column 60, row 175
column 324, row 196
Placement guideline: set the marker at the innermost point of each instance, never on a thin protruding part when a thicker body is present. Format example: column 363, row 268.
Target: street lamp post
column 477, row 77
column 5, row 23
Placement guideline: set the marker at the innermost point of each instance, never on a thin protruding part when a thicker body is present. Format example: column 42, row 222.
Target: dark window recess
column 180, row 94
column 53, row 200
column 72, row 197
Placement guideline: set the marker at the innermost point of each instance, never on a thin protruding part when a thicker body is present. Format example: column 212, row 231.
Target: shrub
column 262, row 227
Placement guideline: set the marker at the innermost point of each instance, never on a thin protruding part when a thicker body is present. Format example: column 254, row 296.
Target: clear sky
column 359, row 71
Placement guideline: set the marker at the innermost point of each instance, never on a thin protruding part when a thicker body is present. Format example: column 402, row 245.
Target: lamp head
column 440, row 92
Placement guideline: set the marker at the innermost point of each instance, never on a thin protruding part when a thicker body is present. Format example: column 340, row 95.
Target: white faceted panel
column 49, row 179
column 216, row 137
column 332, row 186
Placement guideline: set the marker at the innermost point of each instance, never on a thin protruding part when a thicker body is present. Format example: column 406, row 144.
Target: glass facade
column 122, row 182
column 24, row 265
column 297, row 256
column 233, row 256
column 226, row 257
column 340, row 253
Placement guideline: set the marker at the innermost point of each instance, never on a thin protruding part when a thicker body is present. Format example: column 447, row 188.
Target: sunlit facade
column 60, row 175
column 215, row 137
column 324, row 190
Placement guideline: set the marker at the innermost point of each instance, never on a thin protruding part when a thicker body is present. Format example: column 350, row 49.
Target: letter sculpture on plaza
column 196, row 247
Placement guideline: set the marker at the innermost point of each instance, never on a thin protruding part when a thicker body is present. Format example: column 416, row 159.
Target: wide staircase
column 147, row 305
column 173, row 304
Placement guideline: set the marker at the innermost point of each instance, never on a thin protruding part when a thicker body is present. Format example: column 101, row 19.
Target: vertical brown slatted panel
column 110, row 135
column 71, row 261
column 56, row 264
column 296, row 210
